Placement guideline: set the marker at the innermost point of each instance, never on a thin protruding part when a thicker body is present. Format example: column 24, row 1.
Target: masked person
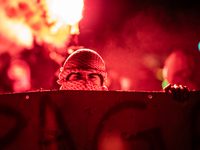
column 83, row 70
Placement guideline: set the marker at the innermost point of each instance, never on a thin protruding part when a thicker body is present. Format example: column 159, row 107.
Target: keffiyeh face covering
column 79, row 61
column 81, row 85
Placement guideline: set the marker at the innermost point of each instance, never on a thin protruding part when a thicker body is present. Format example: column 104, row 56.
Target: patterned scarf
column 82, row 85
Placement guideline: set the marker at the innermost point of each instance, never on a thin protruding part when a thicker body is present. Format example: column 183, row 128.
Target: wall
column 81, row 120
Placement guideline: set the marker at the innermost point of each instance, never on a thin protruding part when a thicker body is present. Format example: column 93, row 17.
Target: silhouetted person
column 179, row 69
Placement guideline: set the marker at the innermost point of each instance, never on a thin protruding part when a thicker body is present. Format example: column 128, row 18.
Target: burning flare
column 68, row 10
column 45, row 21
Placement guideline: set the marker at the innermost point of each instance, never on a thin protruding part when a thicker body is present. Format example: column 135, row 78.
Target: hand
column 180, row 92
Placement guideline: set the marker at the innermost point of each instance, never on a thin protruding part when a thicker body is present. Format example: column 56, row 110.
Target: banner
column 99, row 120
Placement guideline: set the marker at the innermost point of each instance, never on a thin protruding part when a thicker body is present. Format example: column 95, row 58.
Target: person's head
column 178, row 68
column 83, row 70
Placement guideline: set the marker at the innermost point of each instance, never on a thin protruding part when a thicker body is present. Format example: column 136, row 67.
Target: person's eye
column 74, row 77
column 77, row 77
column 93, row 77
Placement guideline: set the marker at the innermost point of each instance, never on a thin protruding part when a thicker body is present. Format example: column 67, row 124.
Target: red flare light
column 48, row 21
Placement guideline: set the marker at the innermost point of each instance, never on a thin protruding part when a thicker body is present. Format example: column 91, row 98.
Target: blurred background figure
column 6, row 83
column 181, row 68
column 19, row 72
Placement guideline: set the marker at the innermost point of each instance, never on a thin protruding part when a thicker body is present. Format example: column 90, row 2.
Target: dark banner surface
column 90, row 120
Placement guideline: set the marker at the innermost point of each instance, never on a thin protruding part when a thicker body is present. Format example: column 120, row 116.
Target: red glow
column 16, row 30
column 112, row 142
column 19, row 73
column 48, row 21
column 70, row 51
column 158, row 72
column 125, row 83
column 18, row 70
column 68, row 10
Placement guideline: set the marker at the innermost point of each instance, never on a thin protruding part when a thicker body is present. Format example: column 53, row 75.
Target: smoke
column 133, row 40
column 145, row 41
